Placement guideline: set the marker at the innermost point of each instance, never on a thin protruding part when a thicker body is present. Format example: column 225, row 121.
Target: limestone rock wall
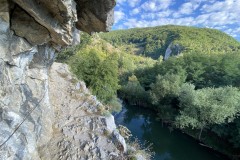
column 173, row 49
column 80, row 130
column 31, row 31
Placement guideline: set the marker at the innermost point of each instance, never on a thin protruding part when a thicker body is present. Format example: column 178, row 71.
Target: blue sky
column 219, row 14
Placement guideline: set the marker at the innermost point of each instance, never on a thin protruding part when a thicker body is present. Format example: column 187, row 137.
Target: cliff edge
column 80, row 131
column 50, row 117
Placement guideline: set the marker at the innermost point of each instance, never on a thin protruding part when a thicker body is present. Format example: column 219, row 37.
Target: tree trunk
column 200, row 133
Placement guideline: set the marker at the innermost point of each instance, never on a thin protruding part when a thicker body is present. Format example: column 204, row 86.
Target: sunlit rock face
column 173, row 49
column 31, row 31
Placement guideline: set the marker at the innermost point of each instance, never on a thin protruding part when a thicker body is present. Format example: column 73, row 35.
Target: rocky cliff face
column 39, row 118
column 173, row 49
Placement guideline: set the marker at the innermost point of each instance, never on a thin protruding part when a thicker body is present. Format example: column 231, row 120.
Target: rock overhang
column 55, row 21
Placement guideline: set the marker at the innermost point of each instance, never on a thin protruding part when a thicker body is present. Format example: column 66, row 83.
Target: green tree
column 165, row 86
column 207, row 106
column 104, row 84
column 133, row 92
column 99, row 73
column 84, row 64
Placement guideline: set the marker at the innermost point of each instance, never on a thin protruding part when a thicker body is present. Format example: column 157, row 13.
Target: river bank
column 167, row 144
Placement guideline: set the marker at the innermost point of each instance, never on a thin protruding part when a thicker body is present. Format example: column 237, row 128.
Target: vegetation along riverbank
column 189, row 76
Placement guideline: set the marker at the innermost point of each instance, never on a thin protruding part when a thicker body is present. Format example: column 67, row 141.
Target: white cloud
column 156, row 5
column 220, row 6
column 148, row 16
column 213, row 13
column 157, row 15
column 233, row 32
column 188, row 8
column 165, row 13
column 118, row 15
column 121, row 1
column 201, row 19
column 134, row 3
column 201, row 1
column 149, row 6
column 135, row 11
column 221, row 27
column 132, row 23
column 217, row 18
column 228, row 10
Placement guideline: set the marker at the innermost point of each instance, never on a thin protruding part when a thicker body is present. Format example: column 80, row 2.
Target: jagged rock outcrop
column 59, row 17
column 30, row 33
column 173, row 49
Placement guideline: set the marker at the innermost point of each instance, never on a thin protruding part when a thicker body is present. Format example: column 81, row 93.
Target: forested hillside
column 196, row 91
column 103, row 67
column 154, row 41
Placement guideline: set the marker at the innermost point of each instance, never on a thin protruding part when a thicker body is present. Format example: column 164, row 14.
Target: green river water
column 167, row 146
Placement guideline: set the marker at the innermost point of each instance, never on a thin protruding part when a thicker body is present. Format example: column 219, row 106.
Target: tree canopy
column 207, row 106
column 154, row 41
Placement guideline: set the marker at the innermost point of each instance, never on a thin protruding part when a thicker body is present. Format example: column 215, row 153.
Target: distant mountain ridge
column 154, row 41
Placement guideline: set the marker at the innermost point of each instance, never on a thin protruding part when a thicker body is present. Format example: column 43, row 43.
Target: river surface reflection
column 167, row 146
